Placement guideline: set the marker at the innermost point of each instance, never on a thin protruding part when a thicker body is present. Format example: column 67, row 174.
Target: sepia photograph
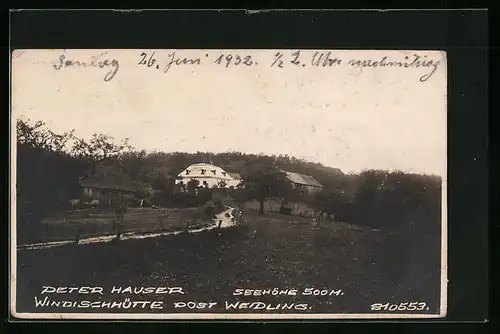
column 228, row 184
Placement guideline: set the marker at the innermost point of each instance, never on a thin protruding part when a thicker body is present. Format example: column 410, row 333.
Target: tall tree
column 331, row 201
column 99, row 148
column 263, row 180
column 35, row 135
column 49, row 165
column 133, row 163
column 240, row 195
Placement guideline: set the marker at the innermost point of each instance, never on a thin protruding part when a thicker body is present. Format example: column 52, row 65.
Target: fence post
column 77, row 236
column 119, row 231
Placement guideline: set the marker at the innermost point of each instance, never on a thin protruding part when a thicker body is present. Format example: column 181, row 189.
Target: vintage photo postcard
column 228, row 184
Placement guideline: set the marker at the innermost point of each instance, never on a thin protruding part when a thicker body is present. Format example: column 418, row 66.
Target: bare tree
column 99, row 148
column 35, row 135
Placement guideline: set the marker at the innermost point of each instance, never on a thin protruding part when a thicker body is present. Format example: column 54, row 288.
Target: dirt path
column 225, row 222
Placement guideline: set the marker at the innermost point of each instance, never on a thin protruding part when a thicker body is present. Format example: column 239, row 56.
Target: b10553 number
column 407, row 306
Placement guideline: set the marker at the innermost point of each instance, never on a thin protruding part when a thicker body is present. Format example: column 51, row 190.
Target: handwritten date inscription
column 297, row 59
column 240, row 59
column 226, row 60
column 172, row 59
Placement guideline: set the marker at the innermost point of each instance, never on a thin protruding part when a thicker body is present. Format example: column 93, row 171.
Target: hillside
column 268, row 251
column 373, row 197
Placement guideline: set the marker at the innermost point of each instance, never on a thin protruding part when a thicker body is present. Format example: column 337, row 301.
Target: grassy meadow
column 266, row 252
column 95, row 222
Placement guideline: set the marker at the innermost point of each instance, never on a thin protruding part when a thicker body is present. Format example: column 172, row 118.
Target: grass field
column 271, row 251
column 92, row 222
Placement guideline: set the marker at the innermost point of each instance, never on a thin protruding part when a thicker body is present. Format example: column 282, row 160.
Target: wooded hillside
column 49, row 166
column 147, row 168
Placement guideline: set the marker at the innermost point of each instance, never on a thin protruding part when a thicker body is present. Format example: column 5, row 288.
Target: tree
column 263, row 180
column 240, row 195
column 408, row 199
column 34, row 135
column 367, row 196
column 192, row 186
column 331, row 202
column 44, row 164
column 204, row 195
column 44, row 173
column 100, row 147
column 133, row 163
column 222, row 184
column 49, row 165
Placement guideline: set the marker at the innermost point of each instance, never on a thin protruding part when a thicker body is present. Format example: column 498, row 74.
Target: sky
column 342, row 116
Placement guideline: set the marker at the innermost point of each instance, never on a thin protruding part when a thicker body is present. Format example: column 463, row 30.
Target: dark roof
column 108, row 177
column 303, row 179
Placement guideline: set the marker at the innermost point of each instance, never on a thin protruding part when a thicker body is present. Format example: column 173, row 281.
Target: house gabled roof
column 203, row 170
column 306, row 180
column 108, row 177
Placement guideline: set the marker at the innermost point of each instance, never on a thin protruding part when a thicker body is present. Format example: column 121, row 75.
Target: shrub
column 393, row 200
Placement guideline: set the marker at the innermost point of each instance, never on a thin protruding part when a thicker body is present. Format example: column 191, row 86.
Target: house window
column 213, row 171
column 87, row 191
column 187, row 171
column 224, row 173
column 203, row 172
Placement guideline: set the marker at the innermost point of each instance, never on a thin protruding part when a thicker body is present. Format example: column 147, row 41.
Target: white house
column 208, row 176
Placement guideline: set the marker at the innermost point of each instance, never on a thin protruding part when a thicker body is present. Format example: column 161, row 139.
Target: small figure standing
column 118, row 224
column 77, row 236
column 119, row 231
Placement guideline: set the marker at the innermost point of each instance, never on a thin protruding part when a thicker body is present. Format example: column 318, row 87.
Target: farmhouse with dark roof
column 107, row 183
column 305, row 183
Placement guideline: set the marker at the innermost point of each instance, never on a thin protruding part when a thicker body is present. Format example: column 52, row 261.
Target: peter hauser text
column 126, row 302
